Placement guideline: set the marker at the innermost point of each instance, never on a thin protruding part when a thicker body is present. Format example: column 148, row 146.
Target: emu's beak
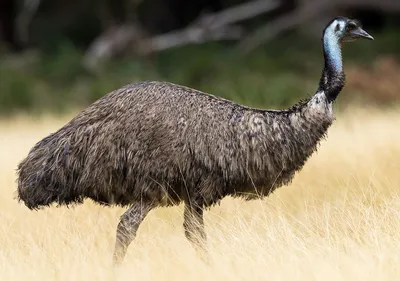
column 360, row 33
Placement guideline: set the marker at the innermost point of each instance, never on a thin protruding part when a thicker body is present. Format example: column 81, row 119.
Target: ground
column 338, row 220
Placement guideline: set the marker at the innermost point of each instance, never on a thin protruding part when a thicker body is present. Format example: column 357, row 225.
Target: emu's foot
column 202, row 252
column 117, row 260
column 204, row 257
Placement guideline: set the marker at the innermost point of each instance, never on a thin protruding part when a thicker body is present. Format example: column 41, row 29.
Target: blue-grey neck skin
column 332, row 51
column 333, row 78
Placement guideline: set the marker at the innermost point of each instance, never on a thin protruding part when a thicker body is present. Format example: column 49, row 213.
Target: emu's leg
column 194, row 227
column 127, row 227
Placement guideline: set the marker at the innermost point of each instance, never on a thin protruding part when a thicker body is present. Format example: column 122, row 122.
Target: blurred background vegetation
column 56, row 55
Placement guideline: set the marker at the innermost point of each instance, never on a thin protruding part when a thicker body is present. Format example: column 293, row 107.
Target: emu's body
column 155, row 144
column 159, row 141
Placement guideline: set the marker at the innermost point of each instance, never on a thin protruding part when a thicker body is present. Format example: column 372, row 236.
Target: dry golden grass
column 339, row 220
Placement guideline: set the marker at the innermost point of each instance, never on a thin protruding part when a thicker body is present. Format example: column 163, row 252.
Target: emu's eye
column 350, row 26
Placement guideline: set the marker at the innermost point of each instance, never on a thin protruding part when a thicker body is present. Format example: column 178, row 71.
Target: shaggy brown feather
column 154, row 140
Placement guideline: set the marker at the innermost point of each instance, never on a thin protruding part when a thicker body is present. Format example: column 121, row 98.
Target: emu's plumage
column 153, row 140
column 155, row 143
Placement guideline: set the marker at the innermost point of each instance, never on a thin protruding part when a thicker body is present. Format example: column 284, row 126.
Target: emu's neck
column 333, row 78
column 283, row 140
column 332, row 52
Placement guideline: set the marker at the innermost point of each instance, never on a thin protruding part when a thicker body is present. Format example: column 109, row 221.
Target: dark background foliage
column 43, row 50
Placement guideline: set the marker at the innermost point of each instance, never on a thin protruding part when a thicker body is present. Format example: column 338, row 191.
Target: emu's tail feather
column 35, row 192
column 43, row 178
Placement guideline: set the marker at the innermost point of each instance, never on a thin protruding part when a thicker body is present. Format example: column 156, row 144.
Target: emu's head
column 345, row 30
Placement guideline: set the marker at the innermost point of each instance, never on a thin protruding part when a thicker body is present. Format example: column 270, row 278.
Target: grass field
column 338, row 220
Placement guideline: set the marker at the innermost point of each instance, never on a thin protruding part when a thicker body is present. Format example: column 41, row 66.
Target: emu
column 152, row 144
